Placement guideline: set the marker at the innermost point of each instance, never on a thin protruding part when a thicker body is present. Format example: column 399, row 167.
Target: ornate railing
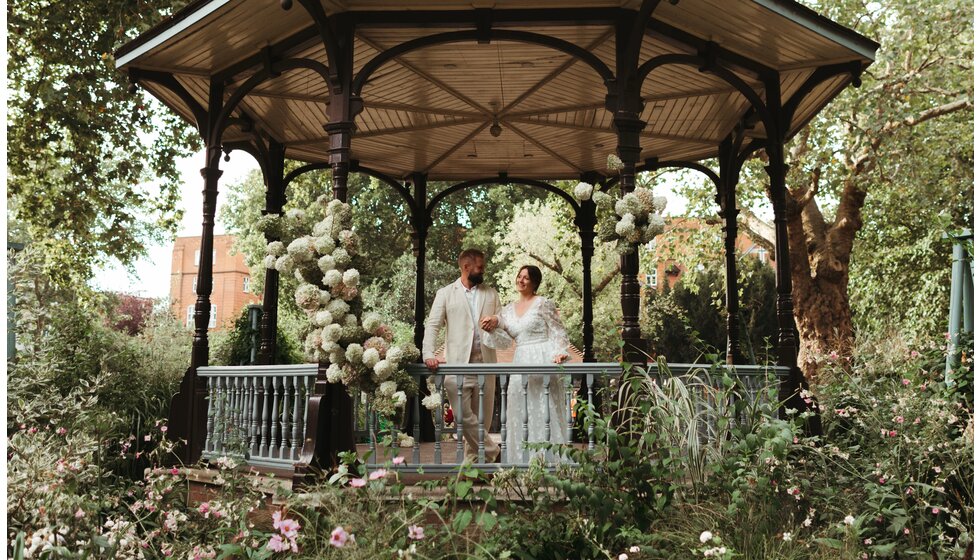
column 258, row 413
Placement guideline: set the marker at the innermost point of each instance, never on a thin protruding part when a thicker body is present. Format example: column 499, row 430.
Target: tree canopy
column 91, row 166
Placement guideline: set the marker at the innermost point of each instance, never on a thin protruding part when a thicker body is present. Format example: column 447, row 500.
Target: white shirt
column 471, row 298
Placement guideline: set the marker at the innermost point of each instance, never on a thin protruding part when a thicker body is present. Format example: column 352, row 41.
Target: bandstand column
column 786, row 346
column 275, row 199
column 420, row 231
column 728, row 173
column 628, row 127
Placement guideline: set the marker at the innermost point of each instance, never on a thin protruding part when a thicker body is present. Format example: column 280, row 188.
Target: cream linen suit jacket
column 451, row 309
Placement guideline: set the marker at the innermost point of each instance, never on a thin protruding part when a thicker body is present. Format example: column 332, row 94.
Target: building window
column 651, row 281
column 197, row 257
column 194, row 285
column 246, row 284
column 211, row 323
column 762, row 254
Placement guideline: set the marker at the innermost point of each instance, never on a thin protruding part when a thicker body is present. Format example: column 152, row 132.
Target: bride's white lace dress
column 540, row 337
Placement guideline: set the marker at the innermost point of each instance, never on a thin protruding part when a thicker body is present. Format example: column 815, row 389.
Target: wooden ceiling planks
column 431, row 109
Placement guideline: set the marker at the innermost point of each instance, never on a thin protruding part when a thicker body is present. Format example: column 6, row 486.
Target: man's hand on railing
column 433, row 363
column 560, row 358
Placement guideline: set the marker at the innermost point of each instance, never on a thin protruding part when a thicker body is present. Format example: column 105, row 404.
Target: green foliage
column 235, row 348
column 81, row 149
column 688, row 321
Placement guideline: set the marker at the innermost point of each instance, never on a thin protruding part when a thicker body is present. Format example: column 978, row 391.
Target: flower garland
column 357, row 346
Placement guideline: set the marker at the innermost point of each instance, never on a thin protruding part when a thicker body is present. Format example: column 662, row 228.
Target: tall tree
column 91, row 167
column 877, row 176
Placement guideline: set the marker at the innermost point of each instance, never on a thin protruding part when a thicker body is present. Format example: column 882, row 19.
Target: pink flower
column 277, row 544
column 914, row 354
column 358, row 482
column 380, row 473
column 833, row 355
column 947, row 335
column 935, row 511
column 892, row 433
column 416, row 533
column 147, row 437
column 899, row 419
column 338, row 538
column 204, row 508
column 881, row 480
column 61, row 431
column 163, row 429
column 79, row 514
column 33, row 430
column 906, row 382
column 289, row 528
column 398, row 460
column 174, row 471
column 916, row 421
column 908, row 491
column 906, row 530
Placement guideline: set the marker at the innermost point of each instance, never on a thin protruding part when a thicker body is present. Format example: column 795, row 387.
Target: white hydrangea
column 326, row 263
column 384, row 369
column 388, row 388
column 329, row 346
column 337, row 356
column 301, row 248
column 295, row 214
column 332, row 278
column 583, row 191
column 324, row 244
column 394, row 354
column 269, row 261
column 323, row 227
column 338, row 307
column 285, row 264
column 371, row 321
column 350, row 320
column 601, row 198
column 325, row 298
column 308, row 297
column 351, row 277
column 276, row 248
column 400, row 398
column 333, row 332
column 371, row 357
column 334, row 373
column 659, row 204
column 433, row 401
column 341, row 256
column 626, row 225
column 322, row 318
column 354, row 353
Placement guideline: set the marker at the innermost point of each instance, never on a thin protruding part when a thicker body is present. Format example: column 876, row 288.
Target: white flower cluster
column 635, row 218
column 358, row 346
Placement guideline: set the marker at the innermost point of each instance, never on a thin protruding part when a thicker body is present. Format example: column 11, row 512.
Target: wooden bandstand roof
column 437, row 109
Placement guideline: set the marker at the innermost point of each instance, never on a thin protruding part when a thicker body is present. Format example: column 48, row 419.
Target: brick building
column 231, row 281
column 669, row 269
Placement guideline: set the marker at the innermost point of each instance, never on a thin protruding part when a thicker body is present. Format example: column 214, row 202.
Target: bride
column 532, row 321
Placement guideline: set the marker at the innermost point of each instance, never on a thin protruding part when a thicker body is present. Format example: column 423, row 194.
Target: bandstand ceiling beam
column 569, row 126
column 543, row 147
column 455, row 147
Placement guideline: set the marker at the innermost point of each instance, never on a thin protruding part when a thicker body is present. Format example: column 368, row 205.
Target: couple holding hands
column 477, row 325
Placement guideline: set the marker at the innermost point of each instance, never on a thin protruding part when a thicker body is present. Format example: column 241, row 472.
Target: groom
column 459, row 306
